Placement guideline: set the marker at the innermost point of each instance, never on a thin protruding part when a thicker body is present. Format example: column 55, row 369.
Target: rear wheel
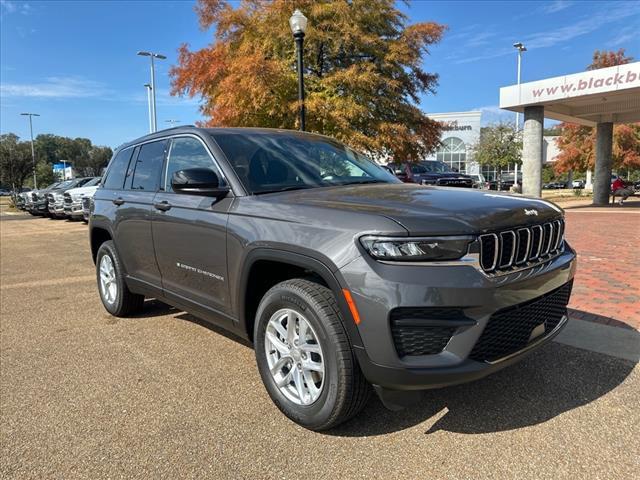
column 305, row 358
column 114, row 293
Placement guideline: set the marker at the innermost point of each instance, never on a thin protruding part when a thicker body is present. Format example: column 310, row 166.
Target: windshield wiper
column 362, row 182
column 283, row 189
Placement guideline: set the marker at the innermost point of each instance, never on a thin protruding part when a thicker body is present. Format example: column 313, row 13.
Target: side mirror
column 198, row 181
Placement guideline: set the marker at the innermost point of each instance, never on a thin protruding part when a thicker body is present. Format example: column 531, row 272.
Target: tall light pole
column 152, row 55
column 147, row 86
column 298, row 24
column 33, row 151
column 521, row 48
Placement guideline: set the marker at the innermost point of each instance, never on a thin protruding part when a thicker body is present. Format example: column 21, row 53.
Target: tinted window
column 118, row 169
column 437, row 167
column 187, row 152
column 271, row 162
column 148, row 166
column 94, row 181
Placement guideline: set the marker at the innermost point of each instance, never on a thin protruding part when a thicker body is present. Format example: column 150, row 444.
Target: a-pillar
column 602, row 180
column 532, row 151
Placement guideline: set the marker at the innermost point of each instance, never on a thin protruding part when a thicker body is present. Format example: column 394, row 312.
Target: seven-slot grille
column 521, row 247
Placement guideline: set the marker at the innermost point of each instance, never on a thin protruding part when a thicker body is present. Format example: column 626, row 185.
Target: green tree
column 499, row 146
column 364, row 71
column 16, row 163
column 96, row 161
column 44, row 171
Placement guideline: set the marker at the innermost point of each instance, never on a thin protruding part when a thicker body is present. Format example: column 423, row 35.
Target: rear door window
column 118, row 170
column 148, row 166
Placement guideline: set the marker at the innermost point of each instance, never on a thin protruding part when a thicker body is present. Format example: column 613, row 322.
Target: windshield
column 66, row 184
column 93, row 182
column 277, row 161
column 436, row 167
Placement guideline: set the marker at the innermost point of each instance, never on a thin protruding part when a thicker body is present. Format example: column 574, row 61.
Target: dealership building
column 460, row 135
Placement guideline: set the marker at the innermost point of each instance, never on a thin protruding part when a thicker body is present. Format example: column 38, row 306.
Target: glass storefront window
column 453, row 152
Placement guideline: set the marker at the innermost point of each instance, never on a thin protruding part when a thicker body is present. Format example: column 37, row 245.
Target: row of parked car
column 66, row 199
column 433, row 172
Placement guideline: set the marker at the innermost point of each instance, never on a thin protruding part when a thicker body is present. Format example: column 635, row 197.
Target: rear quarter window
column 118, row 170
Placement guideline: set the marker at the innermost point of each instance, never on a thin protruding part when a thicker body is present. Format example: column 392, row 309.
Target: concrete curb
column 613, row 341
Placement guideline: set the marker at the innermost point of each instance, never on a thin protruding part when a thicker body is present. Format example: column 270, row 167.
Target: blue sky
column 75, row 62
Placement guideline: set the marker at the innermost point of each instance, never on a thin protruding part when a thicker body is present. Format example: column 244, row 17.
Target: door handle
column 118, row 201
column 163, row 205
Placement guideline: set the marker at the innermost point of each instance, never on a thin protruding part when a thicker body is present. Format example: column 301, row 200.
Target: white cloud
column 494, row 114
column 625, row 37
column 7, row 7
column 616, row 11
column 556, row 6
column 55, row 87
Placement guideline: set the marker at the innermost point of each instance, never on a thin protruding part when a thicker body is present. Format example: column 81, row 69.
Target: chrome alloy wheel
column 108, row 285
column 294, row 356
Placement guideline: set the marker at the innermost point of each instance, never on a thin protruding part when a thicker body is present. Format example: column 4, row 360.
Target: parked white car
column 577, row 184
column 73, row 198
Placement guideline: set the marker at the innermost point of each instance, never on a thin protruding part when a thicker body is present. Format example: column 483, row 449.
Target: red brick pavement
column 607, row 285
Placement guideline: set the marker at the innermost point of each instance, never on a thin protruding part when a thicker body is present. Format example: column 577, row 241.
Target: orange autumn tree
column 363, row 71
column 577, row 143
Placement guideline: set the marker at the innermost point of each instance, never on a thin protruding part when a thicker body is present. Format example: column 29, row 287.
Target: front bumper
column 56, row 209
column 378, row 289
column 73, row 210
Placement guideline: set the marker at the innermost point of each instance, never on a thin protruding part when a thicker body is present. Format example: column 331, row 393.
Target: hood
column 82, row 191
column 426, row 210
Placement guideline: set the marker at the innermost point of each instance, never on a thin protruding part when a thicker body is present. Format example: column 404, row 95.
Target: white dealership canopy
column 597, row 98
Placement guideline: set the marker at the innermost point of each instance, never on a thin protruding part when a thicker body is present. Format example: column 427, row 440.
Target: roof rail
column 174, row 128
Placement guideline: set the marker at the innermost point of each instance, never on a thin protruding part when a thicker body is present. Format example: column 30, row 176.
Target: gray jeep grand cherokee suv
column 342, row 276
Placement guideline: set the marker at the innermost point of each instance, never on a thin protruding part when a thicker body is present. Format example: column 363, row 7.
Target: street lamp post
column 33, row 151
column 298, row 24
column 149, row 102
column 151, row 55
column 521, row 48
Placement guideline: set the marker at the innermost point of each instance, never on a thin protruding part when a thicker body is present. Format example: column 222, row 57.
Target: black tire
column 126, row 303
column 345, row 390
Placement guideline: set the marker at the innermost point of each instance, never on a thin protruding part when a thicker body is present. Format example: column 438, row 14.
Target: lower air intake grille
column 509, row 330
column 424, row 330
column 421, row 340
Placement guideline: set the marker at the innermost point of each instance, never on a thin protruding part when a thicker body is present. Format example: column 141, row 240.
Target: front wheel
column 114, row 293
column 305, row 358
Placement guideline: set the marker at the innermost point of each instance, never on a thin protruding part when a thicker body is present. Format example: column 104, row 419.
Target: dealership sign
column 602, row 81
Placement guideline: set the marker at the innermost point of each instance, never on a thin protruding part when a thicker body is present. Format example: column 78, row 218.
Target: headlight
column 416, row 249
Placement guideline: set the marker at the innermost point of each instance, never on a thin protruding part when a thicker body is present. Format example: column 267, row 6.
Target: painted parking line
column 46, row 283
column 613, row 341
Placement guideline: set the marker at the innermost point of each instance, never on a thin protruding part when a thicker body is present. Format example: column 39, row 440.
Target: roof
column 587, row 98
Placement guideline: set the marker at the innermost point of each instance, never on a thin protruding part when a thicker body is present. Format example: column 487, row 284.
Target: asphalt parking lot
column 86, row 395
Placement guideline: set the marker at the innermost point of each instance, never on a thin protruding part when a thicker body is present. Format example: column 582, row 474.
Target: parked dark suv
column 430, row 172
column 342, row 276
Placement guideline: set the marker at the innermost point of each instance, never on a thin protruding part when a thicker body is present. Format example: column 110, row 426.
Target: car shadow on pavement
column 556, row 379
